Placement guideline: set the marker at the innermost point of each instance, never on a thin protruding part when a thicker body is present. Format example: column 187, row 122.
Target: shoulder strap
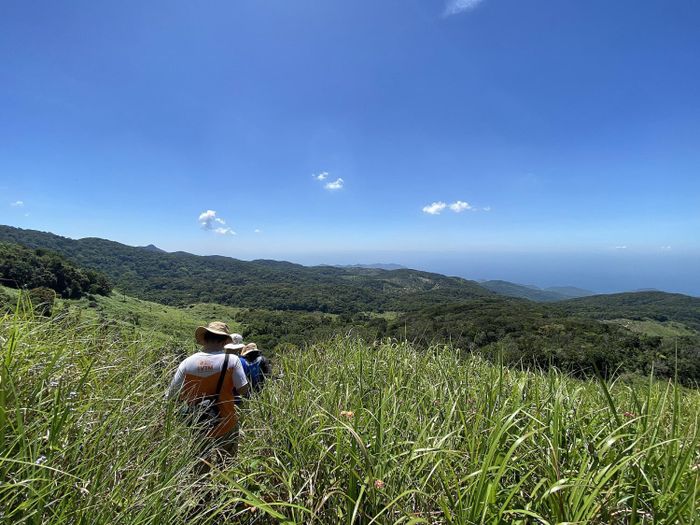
column 224, row 368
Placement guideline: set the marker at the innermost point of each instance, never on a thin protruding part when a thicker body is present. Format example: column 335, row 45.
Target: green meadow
column 348, row 432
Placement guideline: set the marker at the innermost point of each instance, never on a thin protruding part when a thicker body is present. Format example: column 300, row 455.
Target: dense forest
column 22, row 267
column 516, row 333
column 659, row 306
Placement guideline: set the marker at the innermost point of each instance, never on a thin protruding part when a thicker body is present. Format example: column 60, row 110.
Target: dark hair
column 215, row 338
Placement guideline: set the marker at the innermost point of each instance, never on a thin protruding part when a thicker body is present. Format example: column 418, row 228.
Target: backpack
column 204, row 413
column 254, row 371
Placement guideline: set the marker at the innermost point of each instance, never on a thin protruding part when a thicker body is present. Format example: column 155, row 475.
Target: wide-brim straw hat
column 251, row 350
column 215, row 327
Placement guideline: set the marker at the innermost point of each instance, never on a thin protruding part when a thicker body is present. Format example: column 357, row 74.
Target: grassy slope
column 351, row 432
column 176, row 325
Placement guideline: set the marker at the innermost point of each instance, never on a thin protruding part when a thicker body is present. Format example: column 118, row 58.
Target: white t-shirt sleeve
column 176, row 383
column 239, row 379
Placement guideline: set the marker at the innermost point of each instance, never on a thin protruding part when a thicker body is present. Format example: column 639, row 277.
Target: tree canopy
column 22, row 267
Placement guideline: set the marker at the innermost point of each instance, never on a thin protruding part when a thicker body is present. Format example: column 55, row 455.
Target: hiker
column 256, row 366
column 207, row 382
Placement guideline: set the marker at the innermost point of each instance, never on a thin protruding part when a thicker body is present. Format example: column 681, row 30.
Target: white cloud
column 623, row 247
column 321, row 176
column 209, row 221
column 258, row 230
column 666, row 248
column 454, row 7
column 337, row 184
column 435, row 208
column 460, row 206
column 17, row 204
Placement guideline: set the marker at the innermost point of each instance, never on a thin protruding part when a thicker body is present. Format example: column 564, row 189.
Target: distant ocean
column 603, row 272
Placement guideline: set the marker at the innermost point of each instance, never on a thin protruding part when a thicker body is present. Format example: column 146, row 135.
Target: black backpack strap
column 220, row 384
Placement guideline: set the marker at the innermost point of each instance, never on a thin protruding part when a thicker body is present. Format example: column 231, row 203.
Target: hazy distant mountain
column 524, row 292
column 374, row 266
column 535, row 293
column 569, row 292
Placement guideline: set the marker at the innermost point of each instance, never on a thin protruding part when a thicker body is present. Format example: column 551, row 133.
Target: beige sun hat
column 215, row 327
column 251, row 350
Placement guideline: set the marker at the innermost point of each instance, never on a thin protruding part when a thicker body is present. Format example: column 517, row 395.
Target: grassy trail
column 350, row 433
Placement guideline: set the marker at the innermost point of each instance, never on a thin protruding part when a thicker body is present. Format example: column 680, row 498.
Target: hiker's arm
column 176, row 383
column 244, row 390
column 240, row 382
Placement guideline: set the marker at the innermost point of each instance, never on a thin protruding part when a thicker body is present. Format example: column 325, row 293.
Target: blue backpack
column 254, row 371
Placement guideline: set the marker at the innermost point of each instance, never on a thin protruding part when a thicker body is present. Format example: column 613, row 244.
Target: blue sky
column 554, row 142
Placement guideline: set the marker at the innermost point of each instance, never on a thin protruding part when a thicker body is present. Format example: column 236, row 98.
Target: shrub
column 42, row 300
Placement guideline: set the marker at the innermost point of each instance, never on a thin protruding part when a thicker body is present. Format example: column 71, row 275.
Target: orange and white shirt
column 197, row 377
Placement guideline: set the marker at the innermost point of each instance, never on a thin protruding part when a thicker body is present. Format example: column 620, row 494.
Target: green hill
column 657, row 306
column 182, row 278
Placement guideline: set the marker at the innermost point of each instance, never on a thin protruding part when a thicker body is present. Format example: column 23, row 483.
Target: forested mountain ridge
column 183, row 278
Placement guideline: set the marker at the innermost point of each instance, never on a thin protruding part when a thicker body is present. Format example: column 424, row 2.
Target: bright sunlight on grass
column 350, row 433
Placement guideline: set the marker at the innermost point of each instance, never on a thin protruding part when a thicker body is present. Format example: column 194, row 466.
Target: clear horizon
column 534, row 141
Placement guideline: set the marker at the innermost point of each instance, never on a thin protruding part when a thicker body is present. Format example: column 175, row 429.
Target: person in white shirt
column 202, row 377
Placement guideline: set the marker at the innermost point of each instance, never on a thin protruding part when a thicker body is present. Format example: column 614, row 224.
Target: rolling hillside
column 182, row 278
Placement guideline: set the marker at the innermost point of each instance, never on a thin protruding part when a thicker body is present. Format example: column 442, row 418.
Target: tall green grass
column 350, row 433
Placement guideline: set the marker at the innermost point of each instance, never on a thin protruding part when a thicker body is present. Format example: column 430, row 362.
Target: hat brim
column 233, row 346
column 201, row 330
column 254, row 352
